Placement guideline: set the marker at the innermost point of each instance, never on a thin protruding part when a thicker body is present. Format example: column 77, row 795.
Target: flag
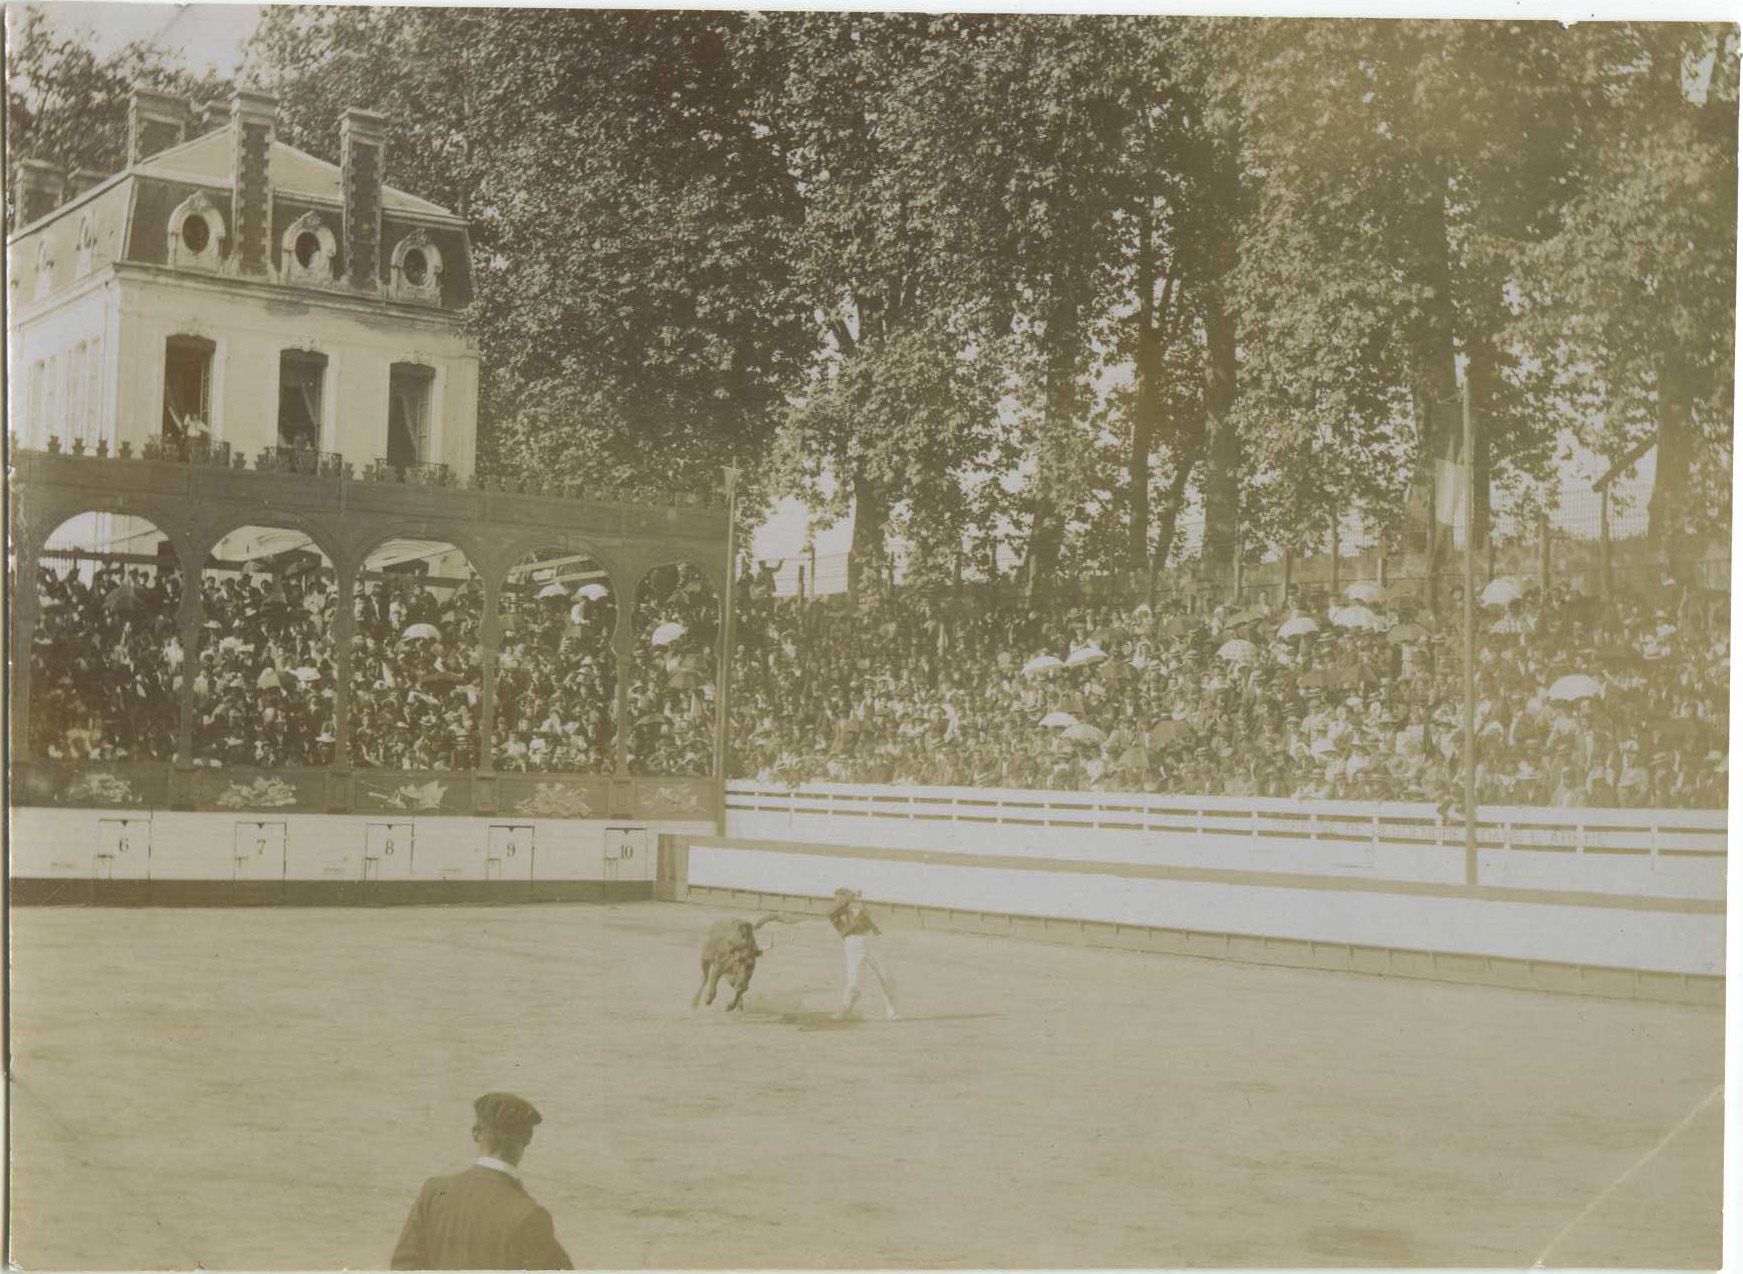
column 1450, row 475
column 1449, row 490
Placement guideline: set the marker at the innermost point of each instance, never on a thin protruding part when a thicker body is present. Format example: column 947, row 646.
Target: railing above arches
column 197, row 504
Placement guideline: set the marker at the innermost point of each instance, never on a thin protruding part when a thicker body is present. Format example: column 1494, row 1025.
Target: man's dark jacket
column 479, row 1219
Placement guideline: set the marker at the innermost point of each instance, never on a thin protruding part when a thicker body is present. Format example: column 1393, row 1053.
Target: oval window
column 196, row 234
column 416, row 267
column 308, row 247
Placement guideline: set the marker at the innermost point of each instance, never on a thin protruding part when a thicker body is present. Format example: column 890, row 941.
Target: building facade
column 228, row 288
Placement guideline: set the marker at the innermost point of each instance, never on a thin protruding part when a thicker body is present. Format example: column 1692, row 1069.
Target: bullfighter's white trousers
column 860, row 956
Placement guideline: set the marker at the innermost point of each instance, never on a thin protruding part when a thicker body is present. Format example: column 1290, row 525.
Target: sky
column 205, row 33
column 214, row 34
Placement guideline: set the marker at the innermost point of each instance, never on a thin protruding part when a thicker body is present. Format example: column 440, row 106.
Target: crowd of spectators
column 1317, row 700
column 106, row 662
column 1582, row 701
column 108, row 667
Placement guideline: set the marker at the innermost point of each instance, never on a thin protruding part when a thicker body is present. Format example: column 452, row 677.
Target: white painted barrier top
column 1704, row 829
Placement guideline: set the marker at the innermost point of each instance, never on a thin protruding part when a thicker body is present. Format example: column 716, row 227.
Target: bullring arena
column 345, row 790
column 265, row 1089
column 1137, row 1029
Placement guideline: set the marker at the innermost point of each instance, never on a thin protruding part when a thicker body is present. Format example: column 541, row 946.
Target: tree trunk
column 1222, row 448
column 1665, row 508
column 1184, row 462
column 865, row 556
column 1138, row 469
column 1146, row 407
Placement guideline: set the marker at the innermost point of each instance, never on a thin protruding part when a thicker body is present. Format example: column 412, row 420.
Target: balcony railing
column 423, row 474
column 191, row 450
column 300, row 460
column 305, row 461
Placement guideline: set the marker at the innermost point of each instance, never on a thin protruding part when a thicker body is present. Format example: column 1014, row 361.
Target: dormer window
column 196, row 234
column 307, row 252
column 417, row 270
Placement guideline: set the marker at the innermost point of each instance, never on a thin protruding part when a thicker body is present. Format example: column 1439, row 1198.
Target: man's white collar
column 485, row 1161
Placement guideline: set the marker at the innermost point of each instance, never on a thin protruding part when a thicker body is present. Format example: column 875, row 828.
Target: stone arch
column 511, row 552
column 266, row 678
column 38, row 523
column 485, row 562
column 107, row 653
column 674, row 656
column 417, row 684
column 320, row 534
column 557, row 669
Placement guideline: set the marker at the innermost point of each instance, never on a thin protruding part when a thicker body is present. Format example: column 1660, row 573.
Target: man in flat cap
column 483, row 1218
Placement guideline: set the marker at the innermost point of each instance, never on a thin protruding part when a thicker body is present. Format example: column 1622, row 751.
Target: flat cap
column 505, row 1112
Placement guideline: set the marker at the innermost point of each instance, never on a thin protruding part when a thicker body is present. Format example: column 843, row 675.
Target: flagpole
column 1470, row 492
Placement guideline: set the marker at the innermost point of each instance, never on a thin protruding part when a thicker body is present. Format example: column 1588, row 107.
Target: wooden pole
column 1470, row 802
column 1604, row 535
column 723, row 673
column 1543, row 554
column 1335, row 593
column 1288, row 573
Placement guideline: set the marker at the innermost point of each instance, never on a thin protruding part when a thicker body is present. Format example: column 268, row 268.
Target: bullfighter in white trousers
column 857, row 931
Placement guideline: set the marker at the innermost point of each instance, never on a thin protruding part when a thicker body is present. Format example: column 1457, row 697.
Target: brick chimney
column 155, row 122
column 255, row 115
column 213, row 116
column 362, row 169
column 39, row 189
column 84, row 179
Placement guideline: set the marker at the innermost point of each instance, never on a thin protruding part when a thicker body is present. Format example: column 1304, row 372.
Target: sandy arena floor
column 267, row 1089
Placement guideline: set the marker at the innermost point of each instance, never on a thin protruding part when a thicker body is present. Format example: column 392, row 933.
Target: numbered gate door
column 387, row 851
column 259, row 860
column 510, row 856
column 123, row 854
column 627, row 854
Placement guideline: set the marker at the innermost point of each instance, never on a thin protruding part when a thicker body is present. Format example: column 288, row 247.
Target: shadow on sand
column 824, row 1020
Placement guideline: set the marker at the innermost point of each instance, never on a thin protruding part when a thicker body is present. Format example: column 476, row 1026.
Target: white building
column 227, row 285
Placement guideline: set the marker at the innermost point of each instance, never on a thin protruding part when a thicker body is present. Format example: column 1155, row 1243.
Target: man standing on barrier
column 483, row 1218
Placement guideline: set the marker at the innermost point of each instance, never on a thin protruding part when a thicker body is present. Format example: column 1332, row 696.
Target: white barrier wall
column 164, row 847
column 1617, row 889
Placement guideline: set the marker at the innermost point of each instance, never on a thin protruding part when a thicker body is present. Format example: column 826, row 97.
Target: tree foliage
column 66, row 105
column 1049, row 280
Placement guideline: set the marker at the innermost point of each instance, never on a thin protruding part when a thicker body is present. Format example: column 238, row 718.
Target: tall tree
column 632, row 221
column 893, row 260
column 1632, row 301
column 1405, row 166
column 66, row 105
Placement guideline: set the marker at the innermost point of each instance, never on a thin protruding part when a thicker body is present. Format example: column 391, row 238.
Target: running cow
column 729, row 951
